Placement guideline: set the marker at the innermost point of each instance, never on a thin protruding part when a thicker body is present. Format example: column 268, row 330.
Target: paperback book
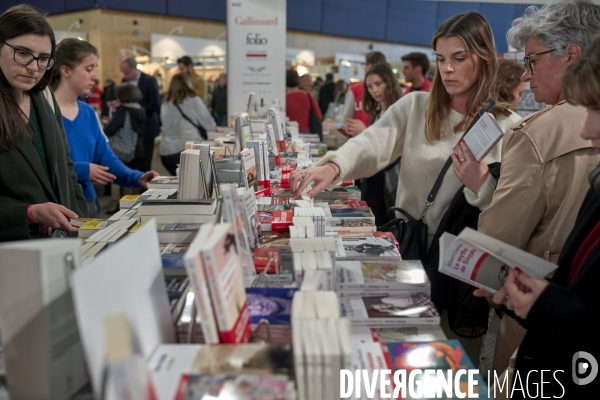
column 366, row 248
column 381, row 275
column 413, row 309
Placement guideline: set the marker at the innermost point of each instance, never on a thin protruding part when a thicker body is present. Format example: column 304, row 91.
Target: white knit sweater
column 401, row 132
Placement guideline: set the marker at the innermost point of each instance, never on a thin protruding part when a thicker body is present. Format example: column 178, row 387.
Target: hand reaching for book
column 322, row 177
column 53, row 215
column 468, row 170
column 147, row 177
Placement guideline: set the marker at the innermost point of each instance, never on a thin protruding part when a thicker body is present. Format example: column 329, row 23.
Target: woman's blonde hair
column 476, row 34
column 179, row 89
column 581, row 81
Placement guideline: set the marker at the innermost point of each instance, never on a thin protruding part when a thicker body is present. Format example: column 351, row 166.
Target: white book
column 414, row 309
column 299, row 359
column 43, row 353
column 254, row 145
column 328, row 305
column 194, row 266
column 366, row 248
column 365, row 276
column 483, row 136
column 484, row 262
column 313, row 281
column 249, row 175
column 314, row 363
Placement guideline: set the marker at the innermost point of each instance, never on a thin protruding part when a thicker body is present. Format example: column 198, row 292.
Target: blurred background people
column 181, row 101
column 508, row 87
column 306, row 82
column 414, row 68
column 327, row 93
column 218, row 103
column 150, row 102
column 186, row 66
column 298, row 103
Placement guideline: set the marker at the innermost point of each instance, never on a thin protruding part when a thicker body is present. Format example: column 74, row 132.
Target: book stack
column 129, row 201
column 159, row 194
column 177, row 233
column 164, row 182
column 381, row 278
column 234, row 387
column 313, row 262
column 367, row 247
column 106, row 238
column 214, row 269
column 316, row 216
column 347, row 192
column 171, row 255
column 195, row 174
column 90, row 228
column 321, row 345
column 172, row 211
column 228, row 169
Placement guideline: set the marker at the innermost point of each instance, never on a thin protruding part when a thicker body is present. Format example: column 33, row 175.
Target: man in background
column 218, row 104
column 316, row 88
column 151, row 103
column 186, row 66
column 414, row 69
column 326, row 94
column 306, row 82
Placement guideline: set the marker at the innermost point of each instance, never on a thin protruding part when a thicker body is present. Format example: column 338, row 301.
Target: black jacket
column 151, row 103
column 565, row 320
column 23, row 181
column 467, row 315
column 219, row 101
column 326, row 96
column 138, row 124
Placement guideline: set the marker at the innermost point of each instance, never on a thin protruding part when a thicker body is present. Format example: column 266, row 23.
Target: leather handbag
column 410, row 232
column 201, row 130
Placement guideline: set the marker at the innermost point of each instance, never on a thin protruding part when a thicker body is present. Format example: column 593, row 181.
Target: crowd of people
column 537, row 190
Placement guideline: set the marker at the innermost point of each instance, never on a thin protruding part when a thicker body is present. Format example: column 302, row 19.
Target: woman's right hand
column 99, row 175
column 322, row 177
column 354, row 127
column 54, row 216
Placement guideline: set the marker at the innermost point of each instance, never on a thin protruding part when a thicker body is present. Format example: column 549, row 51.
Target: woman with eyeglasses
column 38, row 186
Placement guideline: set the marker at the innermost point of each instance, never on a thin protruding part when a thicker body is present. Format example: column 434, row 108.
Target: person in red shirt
column 415, row 66
column 353, row 108
column 299, row 103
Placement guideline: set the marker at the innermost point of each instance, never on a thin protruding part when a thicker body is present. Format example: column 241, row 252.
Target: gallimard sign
column 255, row 21
column 256, row 52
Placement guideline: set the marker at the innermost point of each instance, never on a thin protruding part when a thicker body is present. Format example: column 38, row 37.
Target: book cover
column 273, row 144
column 226, row 285
column 385, row 275
column 352, row 224
column 366, row 247
column 241, row 387
column 177, row 233
column 164, row 182
column 249, row 165
column 444, row 355
column 482, row 137
column 413, row 309
column 271, row 304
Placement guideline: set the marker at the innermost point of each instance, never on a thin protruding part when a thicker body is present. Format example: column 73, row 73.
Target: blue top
column 88, row 145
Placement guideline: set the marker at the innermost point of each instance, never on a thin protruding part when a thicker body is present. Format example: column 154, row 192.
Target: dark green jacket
column 23, row 180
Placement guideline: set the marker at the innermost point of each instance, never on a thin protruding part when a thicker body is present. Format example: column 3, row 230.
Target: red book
column 389, row 235
column 282, row 220
column 263, row 255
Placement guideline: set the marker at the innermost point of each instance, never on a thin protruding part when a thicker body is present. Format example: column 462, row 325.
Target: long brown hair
column 507, row 80
column 179, row 89
column 70, row 52
column 16, row 21
column 475, row 32
column 392, row 89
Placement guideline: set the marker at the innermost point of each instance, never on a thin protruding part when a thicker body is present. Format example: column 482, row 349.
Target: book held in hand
column 485, row 262
column 482, row 137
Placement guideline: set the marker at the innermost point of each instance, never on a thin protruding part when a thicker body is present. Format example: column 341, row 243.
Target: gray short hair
column 130, row 61
column 556, row 25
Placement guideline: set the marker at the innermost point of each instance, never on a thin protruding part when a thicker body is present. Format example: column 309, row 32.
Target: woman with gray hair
column 543, row 178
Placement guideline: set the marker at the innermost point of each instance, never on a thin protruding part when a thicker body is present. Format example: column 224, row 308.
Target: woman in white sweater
column 424, row 127
column 181, row 114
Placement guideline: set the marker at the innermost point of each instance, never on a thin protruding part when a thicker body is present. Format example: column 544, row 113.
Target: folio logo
column 256, row 39
column 584, row 364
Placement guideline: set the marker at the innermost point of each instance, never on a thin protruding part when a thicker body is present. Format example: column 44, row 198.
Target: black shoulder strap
column 186, row 117
column 438, row 183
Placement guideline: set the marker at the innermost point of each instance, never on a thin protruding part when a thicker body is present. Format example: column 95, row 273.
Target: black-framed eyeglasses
column 24, row 57
column 527, row 59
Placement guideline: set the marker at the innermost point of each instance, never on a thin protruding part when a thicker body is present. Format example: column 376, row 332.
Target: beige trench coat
column 543, row 180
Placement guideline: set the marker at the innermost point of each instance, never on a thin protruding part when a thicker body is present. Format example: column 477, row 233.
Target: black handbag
column 201, row 130
column 314, row 123
column 410, row 232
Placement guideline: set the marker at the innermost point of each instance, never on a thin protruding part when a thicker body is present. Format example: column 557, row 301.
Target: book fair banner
column 256, row 50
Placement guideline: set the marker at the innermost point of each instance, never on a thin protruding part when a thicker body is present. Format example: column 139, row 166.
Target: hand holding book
column 468, row 170
column 519, row 293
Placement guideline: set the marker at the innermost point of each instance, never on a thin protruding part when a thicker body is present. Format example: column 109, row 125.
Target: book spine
column 240, row 333
column 207, row 319
column 386, row 322
column 216, row 292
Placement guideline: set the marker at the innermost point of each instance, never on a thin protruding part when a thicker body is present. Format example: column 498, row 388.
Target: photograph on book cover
column 408, row 306
column 355, row 246
column 406, row 272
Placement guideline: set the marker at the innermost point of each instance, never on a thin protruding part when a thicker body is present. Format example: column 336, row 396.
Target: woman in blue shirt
column 95, row 162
